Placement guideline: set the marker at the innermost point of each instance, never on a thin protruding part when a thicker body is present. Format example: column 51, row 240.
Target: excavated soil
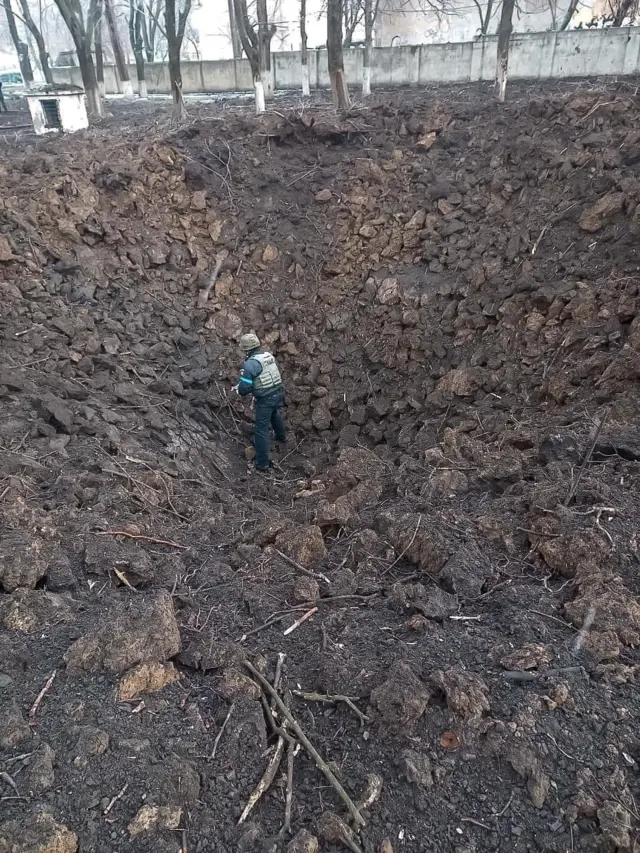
column 452, row 289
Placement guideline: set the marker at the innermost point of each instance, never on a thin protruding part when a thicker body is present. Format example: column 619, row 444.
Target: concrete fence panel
column 534, row 56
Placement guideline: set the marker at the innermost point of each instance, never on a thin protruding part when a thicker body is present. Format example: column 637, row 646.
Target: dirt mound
column 452, row 291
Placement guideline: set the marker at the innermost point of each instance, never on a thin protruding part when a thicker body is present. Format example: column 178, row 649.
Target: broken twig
column 332, row 700
column 34, row 708
column 117, row 797
column 143, row 538
column 299, row 621
column 221, row 732
column 309, row 747
column 308, row 572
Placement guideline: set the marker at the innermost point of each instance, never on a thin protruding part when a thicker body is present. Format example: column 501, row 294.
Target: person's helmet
column 249, row 342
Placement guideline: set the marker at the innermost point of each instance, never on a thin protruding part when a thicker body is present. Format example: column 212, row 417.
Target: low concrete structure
column 54, row 110
column 533, row 56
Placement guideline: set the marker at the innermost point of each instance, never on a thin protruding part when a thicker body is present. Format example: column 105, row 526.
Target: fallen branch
column 140, row 536
column 117, row 797
column 515, row 675
column 586, row 459
column 34, row 708
column 308, row 572
column 267, row 778
column 272, row 620
column 203, row 296
column 221, row 732
column 288, row 799
column 9, row 781
column 299, row 621
column 332, row 700
column 309, row 747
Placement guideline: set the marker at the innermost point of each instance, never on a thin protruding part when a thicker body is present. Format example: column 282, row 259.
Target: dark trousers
column 268, row 416
column 3, row 106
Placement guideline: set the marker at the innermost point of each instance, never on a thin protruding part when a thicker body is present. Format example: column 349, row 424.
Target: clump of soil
column 451, row 289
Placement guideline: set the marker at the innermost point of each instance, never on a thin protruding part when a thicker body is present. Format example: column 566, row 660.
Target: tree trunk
column 368, row 44
column 137, row 45
column 487, row 18
column 118, row 53
column 624, row 7
column 573, row 5
column 250, row 46
column 174, row 31
column 71, row 13
column 504, row 36
column 304, row 55
column 99, row 57
column 22, row 48
column 265, row 33
column 334, row 55
column 236, row 43
column 37, row 36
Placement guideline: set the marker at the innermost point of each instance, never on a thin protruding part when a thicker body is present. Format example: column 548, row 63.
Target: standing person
column 3, row 106
column 261, row 377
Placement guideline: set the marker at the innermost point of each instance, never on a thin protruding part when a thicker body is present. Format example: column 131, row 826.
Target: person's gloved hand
column 235, row 388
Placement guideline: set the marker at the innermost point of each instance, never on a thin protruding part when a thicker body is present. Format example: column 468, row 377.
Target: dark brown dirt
column 452, row 290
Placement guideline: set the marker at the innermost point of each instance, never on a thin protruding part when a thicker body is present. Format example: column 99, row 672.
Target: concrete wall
column 534, row 56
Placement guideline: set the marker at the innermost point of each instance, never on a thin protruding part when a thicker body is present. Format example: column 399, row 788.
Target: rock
column 304, row 545
column 388, row 292
column 54, row 410
column 417, row 768
column 402, row 699
column 91, row 743
column 526, row 765
column 37, row 832
column 269, row 254
column 302, row 842
column 324, row 195
column 199, row 200
column 466, row 693
column 466, row 573
column 237, row 685
column 530, row 656
column 23, row 561
column 343, row 582
column 13, row 727
column 305, row 589
column 157, row 255
column 615, row 824
column 321, row 416
column 154, row 818
column 207, row 653
column 41, row 775
column 144, row 634
column 146, row 678
column 410, row 538
column 5, row 250
column 463, row 382
column 32, row 610
column 594, row 217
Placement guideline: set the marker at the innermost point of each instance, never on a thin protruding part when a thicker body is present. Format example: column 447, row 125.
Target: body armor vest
column 270, row 376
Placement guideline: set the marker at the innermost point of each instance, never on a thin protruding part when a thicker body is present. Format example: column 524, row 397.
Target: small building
column 54, row 109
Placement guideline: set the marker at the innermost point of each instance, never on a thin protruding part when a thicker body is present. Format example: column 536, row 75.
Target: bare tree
column 504, row 36
column 353, row 12
column 174, row 31
column 304, row 57
column 256, row 43
column 622, row 8
column 236, row 43
column 136, row 16
column 22, row 48
column 571, row 8
column 118, row 53
column 82, row 35
column 334, row 55
column 485, row 13
column 43, row 55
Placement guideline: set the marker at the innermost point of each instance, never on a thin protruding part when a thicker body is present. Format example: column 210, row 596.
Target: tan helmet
column 249, row 342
